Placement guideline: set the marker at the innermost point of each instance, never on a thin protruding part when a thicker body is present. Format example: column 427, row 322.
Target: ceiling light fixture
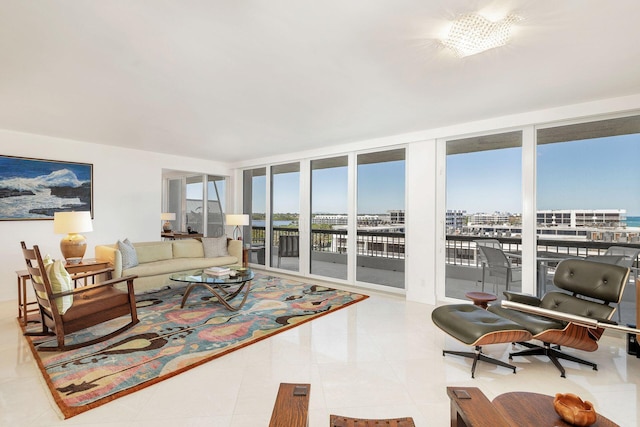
column 472, row 33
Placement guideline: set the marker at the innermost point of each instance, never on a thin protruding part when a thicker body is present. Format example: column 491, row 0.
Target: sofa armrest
column 234, row 247
column 522, row 298
column 112, row 254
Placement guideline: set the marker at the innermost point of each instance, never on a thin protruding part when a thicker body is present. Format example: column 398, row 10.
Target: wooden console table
column 178, row 235
column 471, row 408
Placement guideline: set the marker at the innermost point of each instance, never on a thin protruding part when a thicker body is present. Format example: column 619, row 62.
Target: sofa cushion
column 188, row 248
column 129, row 254
column 215, row 247
column 177, row 265
column 153, row 251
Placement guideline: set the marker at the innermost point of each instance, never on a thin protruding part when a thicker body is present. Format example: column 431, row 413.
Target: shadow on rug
column 170, row 340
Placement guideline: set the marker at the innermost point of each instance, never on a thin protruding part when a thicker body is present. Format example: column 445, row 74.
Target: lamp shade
column 168, row 216
column 72, row 222
column 237, row 219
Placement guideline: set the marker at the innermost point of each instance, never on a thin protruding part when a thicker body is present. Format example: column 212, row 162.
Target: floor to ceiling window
column 255, row 205
column 329, row 217
column 588, row 204
column 285, row 216
column 380, row 236
column 483, row 214
column 186, row 195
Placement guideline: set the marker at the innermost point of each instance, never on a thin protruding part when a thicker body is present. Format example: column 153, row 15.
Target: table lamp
column 73, row 245
column 166, row 217
column 237, row 220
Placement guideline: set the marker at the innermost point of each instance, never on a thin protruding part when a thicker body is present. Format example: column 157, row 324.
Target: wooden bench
column 292, row 406
column 471, row 408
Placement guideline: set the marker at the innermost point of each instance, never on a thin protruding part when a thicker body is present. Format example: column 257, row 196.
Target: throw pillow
column 215, row 247
column 60, row 281
column 128, row 252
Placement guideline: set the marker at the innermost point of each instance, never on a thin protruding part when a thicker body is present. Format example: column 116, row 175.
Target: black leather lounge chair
column 589, row 290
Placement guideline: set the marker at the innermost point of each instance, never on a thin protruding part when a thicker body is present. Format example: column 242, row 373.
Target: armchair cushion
column 533, row 323
column 129, row 254
column 60, row 280
column 215, row 247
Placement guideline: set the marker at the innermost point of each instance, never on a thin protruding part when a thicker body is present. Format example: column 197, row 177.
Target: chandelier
column 472, row 33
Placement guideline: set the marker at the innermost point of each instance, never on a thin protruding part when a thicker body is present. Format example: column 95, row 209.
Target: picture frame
column 34, row 189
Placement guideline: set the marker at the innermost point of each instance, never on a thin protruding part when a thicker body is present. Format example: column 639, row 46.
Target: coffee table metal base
column 221, row 294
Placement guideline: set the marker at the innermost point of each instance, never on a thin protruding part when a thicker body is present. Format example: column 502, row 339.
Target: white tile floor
column 378, row 358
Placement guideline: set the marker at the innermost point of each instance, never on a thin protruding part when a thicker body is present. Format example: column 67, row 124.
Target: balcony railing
column 461, row 250
column 371, row 244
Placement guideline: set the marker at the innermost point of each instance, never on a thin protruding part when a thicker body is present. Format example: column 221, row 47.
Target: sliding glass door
column 380, row 233
column 483, row 208
column 329, row 219
column 285, row 216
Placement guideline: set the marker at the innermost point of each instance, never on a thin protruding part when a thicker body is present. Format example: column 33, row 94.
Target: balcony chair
column 629, row 257
column 497, row 267
column 288, row 246
column 590, row 289
column 64, row 310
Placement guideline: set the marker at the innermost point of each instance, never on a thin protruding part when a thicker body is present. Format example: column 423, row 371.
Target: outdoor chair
column 288, row 246
column 562, row 318
column 496, row 267
column 629, row 257
column 65, row 309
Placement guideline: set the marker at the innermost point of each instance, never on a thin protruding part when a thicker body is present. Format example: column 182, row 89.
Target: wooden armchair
column 87, row 306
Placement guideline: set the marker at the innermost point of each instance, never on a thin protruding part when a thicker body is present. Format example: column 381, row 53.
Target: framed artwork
column 36, row 189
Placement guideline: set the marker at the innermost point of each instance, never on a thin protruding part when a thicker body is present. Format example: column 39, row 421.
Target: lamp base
column 166, row 227
column 73, row 248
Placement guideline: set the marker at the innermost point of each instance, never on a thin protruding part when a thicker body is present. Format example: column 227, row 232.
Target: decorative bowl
column 574, row 410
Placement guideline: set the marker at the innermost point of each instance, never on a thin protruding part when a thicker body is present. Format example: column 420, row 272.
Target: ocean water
column 633, row 221
column 40, row 186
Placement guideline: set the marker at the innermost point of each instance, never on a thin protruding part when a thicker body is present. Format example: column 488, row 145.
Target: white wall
column 128, row 188
column 127, row 196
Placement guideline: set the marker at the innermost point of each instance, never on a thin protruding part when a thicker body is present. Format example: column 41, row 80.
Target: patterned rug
column 170, row 340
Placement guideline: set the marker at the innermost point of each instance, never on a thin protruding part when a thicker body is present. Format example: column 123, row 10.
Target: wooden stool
column 481, row 298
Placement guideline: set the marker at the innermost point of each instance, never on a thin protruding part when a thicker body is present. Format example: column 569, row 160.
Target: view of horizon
column 598, row 173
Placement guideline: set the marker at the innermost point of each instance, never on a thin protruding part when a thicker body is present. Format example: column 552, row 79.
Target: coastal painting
column 36, row 189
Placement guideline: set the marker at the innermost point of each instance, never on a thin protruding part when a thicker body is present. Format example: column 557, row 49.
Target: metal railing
column 461, row 250
column 371, row 244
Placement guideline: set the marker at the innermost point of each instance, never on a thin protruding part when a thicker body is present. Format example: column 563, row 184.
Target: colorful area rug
column 170, row 340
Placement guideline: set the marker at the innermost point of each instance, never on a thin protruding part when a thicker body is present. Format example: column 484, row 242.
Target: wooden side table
column 23, row 304
column 534, row 409
column 481, row 298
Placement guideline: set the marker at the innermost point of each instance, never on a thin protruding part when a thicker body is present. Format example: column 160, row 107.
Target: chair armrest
column 522, row 298
column 128, row 279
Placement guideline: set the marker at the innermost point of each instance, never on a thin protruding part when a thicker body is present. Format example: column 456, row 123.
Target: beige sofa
column 158, row 260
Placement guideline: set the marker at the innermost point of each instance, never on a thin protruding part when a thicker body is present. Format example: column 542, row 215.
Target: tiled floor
column 378, row 358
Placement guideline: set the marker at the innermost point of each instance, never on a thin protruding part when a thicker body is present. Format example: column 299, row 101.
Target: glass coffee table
column 224, row 288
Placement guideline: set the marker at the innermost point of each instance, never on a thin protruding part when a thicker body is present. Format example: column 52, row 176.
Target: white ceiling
column 233, row 79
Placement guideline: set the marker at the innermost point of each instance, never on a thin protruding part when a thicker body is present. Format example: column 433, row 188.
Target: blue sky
column 599, row 173
column 380, row 188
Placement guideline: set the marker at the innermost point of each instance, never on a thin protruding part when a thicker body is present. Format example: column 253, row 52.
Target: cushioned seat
column 587, row 290
column 475, row 326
